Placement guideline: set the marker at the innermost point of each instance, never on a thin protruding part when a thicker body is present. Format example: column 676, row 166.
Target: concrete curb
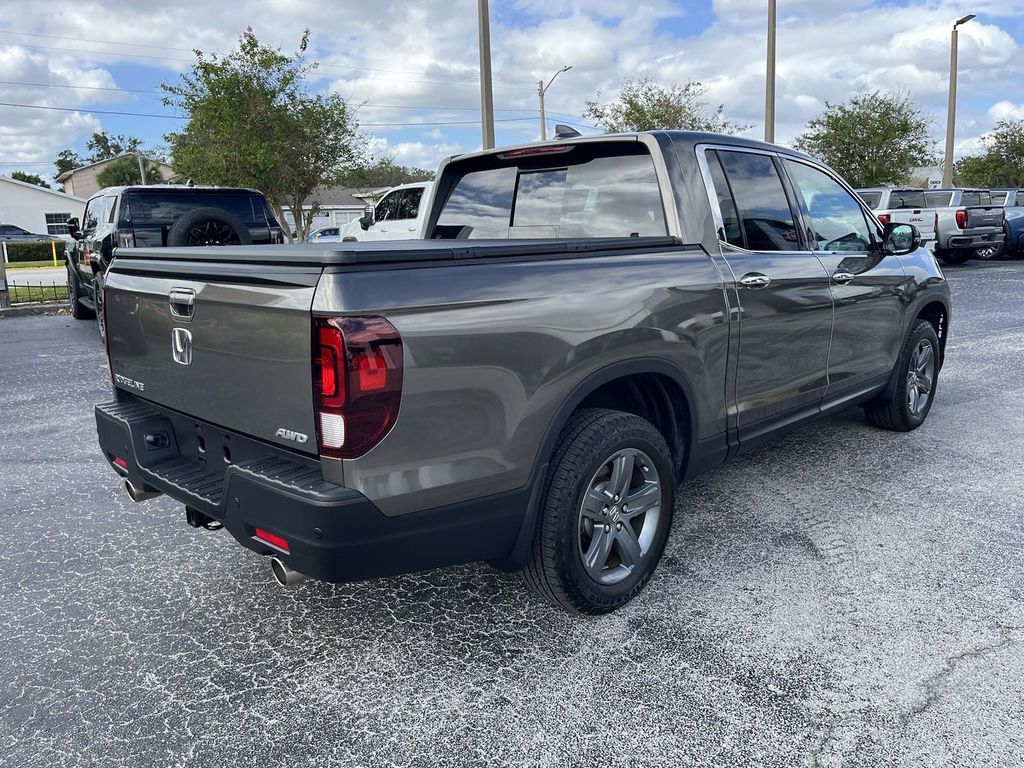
column 36, row 308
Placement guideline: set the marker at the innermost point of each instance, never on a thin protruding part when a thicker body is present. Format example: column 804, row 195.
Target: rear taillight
column 961, row 218
column 885, row 218
column 357, row 383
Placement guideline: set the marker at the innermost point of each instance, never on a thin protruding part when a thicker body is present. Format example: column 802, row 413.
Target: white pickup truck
column 399, row 215
column 903, row 206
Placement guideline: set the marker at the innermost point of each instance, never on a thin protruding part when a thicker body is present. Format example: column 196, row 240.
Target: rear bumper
column 333, row 533
column 971, row 239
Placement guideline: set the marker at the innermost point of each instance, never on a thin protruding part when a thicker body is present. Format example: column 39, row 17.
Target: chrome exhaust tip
column 284, row 575
column 137, row 494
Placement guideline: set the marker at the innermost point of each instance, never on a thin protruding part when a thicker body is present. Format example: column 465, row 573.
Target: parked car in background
column 399, row 215
column 325, row 235
column 970, row 224
column 366, row 409
column 1012, row 201
column 13, row 234
column 906, row 206
column 157, row 215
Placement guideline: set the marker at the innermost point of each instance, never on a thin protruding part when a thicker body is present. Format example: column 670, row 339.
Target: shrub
column 35, row 251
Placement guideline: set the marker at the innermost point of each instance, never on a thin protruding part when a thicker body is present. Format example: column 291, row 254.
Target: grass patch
column 32, row 264
column 22, row 294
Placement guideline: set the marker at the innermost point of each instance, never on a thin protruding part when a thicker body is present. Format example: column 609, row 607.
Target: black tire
column 208, row 226
column 78, row 310
column 953, row 257
column 556, row 569
column 895, row 412
column 97, row 285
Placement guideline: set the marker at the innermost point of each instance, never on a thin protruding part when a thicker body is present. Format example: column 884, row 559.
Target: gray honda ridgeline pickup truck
column 587, row 323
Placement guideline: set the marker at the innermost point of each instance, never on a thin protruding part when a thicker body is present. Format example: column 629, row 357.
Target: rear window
column 938, row 199
column 589, row 190
column 999, row 198
column 907, row 198
column 871, row 199
column 976, row 198
column 146, row 209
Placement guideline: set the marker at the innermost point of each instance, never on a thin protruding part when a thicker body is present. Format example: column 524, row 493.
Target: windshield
column 580, row 191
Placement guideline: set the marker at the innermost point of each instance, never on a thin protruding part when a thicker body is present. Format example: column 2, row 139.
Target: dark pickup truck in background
column 157, row 215
column 592, row 321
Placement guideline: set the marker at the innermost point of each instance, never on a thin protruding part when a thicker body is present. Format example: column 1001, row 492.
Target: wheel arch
column 937, row 314
column 656, row 387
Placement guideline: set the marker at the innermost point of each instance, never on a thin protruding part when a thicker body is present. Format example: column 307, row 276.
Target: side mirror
column 73, row 227
column 900, row 239
column 368, row 217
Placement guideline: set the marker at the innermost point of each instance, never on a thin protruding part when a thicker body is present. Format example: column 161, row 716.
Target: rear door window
column 582, row 191
column 765, row 214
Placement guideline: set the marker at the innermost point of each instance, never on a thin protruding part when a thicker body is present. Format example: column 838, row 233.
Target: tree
column 67, row 160
column 103, row 146
column 1001, row 163
column 252, row 122
column 645, row 105
column 30, row 178
column 872, row 139
column 125, row 170
column 383, row 172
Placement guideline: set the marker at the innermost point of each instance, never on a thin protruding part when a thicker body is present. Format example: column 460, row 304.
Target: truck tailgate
column 228, row 344
column 984, row 216
column 923, row 219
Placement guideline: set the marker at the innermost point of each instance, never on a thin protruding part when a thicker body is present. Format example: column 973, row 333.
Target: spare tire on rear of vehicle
column 208, row 226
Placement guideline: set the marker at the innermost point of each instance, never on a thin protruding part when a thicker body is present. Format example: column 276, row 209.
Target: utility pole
column 486, row 90
column 947, row 164
column 142, row 169
column 541, row 90
column 769, row 85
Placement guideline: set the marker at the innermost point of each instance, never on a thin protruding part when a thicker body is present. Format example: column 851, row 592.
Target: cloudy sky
column 413, row 66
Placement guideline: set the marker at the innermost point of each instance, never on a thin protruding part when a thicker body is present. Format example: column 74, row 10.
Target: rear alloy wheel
column 606, row 512
column 990, row 252
column 917, row 374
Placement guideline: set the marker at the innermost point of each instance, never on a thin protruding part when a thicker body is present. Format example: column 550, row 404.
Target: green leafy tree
column 103, row 146
column 874, row 138
column 645, row 105
column 30, row 178
column 1001, row 163
column 384, row 172
column 67, row 160
column 125, row 170
column 252, row 122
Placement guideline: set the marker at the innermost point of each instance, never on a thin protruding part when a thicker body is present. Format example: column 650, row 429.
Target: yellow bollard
column 53, row 247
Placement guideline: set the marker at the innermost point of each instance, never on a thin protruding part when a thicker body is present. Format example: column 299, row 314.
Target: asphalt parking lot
column 846, row 597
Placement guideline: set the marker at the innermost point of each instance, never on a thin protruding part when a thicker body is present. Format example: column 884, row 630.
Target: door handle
column 755, row 280
column 413, row 229
column 842, row 277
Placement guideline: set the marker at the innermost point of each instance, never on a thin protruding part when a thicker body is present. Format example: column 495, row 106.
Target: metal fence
column 24, row 293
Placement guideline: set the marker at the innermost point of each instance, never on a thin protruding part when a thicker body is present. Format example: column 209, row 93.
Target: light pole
column 541, row 90
column 486, row 91
column 769, row 86
column 947, row 165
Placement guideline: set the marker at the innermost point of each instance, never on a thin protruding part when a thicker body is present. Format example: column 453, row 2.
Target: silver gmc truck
column 590, row 322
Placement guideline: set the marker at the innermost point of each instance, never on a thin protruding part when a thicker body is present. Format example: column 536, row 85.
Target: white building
column 39, row 210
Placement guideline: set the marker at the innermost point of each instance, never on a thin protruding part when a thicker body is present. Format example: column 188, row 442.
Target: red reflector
column 270, row 538
column 885, row 218
column 533, row 151
column 373, row 371
column 120, row 462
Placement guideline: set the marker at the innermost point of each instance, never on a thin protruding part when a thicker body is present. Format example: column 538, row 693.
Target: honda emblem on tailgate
column 181, row 346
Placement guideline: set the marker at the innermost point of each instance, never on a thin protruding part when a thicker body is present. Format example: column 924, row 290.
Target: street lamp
column 769, row 86
column 541, row 90
column 947, row 166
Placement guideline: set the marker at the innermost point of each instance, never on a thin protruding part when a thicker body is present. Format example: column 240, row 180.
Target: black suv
column 154, row 216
